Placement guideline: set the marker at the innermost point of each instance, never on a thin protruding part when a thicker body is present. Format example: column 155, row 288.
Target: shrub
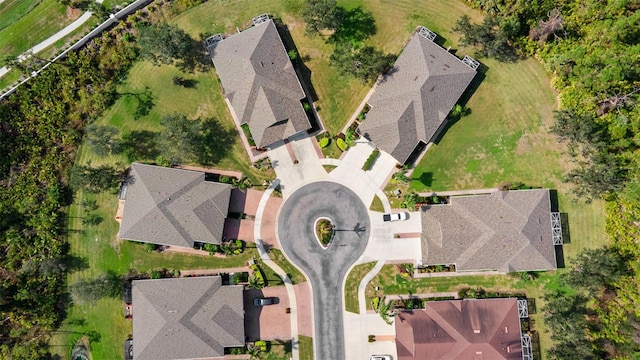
column 372, row 158
column 375, row 303
column 156, row 274
column 342, row 145
column 240, row 245
column 261, row 344
column 324, row 142
column 211, row 248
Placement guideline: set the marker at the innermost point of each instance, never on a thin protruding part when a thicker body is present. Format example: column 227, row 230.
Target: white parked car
column 381, row 357
column 395, row 216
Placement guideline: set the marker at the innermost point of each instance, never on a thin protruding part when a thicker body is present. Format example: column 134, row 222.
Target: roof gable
column 173, row 207
column 261, row 83
column 426, row 75
column 186, row 318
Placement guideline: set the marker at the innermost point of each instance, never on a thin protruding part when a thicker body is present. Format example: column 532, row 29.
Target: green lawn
column 294, row 274
column 351, row 286
column 305, row 347
column 9, row 78
column 47, row 18
column 12, row 10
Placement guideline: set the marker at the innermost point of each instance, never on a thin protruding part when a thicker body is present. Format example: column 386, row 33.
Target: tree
column 490, row 40
column 105, row 285
column 188, row 141
column 597, row 269
column 104, row 140
column 322, row 15
column 365, row 64
column 179, row 139
column 95, row 179
column 165, row 44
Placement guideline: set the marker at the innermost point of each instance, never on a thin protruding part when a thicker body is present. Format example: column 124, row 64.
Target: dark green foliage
column 491, row 40
column 188, row 141
column 95, row 179
column 364, row 63
column 357, row 25
column 322, row 15
column 566, row 315
column 163, row 43
column 168, row 44
column 106, row 285
column 104, row 140
column 594, row 269
column 42, row 124
column 371, row 160
column 247, row 134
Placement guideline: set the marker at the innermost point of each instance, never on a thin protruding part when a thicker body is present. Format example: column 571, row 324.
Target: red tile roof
column 460, row 329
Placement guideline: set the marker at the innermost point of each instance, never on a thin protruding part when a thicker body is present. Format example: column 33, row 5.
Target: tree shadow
column 464, row 99
column 357, row 25
column 215, row 141
column 139, row 145
column 426, row 178
column 145, row 102
column 304, row 73
column 197, row 58
column 76, row 263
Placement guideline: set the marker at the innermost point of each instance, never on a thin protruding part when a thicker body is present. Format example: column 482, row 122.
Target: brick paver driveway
column 325, row 268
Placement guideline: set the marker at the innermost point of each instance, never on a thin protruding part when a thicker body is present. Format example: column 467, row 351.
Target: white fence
column 113, row 19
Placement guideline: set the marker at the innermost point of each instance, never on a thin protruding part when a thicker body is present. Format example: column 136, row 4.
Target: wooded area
column 591, row 49
column 42, row 125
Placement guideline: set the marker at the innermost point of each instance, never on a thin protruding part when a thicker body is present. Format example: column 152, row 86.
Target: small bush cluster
column 324, row 142
column 371, row 159
column 257, row 280
column 232, row 247
column 341, row 144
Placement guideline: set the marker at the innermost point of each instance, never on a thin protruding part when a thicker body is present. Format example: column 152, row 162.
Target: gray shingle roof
column 173, row 207
column 415, row 97
column 260, row 83
column 186, row 318
column 505, row 231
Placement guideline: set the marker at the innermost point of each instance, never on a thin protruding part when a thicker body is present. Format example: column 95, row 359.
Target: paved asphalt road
column 326, row 268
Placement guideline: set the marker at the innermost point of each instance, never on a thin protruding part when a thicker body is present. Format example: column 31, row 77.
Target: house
column 260, row 82
column 463, row 329
column 412, row 101
column 504, row 231
column 173, row 207
column 186, row 318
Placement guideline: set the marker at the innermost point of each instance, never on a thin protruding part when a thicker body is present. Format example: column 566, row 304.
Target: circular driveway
column 325, row 268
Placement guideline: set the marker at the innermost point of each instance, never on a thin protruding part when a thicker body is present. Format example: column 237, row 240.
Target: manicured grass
column 146, row 81
column 43, row 21
column 305, row 347
column 294, row 274
column 376, row 204
column 12, row 10
column 351, row 286
column 9, row 78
